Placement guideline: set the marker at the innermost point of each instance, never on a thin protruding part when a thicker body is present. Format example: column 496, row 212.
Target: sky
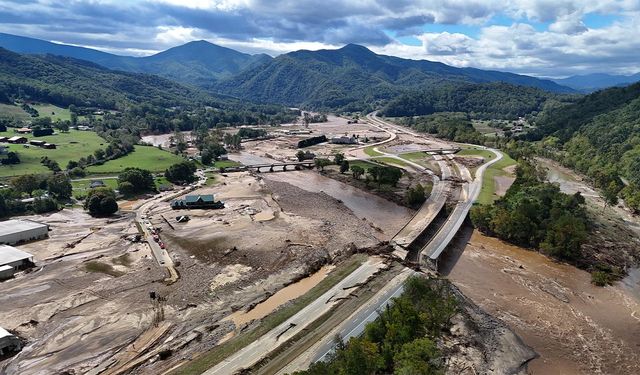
column 546, row 38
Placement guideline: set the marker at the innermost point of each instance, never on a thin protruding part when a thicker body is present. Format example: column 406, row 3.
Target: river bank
column 575, row 327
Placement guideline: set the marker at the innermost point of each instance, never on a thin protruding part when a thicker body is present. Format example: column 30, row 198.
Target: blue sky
column 551, row 38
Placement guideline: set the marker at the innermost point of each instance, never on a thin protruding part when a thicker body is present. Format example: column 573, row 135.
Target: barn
column 17, row 231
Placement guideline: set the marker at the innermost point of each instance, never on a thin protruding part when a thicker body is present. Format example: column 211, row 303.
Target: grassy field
column 220, row 352
column 371, row 152
column 226, row 164
column 488, row 191
column 415, row 156
column 392, row 161
column 362, row 164
column 13, row 112
column 81, row 188
column 71, row 146
column 56, row 113
column 145, row 157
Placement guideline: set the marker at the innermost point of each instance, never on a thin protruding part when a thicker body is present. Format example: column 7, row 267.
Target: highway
column 254, row 352
column 352, row 326
column 469, row 194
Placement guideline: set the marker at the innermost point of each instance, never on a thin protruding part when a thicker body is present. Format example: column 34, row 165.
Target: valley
column 298, row 200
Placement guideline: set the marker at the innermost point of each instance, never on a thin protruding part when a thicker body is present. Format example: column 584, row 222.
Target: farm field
column 71, row 146
column 144, row 157
column 50, row 110
column 13, row 112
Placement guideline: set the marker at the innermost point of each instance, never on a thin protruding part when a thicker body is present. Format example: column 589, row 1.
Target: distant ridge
column 198, row 62
column 591, row 82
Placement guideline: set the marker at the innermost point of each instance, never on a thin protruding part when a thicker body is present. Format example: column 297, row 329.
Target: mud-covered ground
column 87, row 308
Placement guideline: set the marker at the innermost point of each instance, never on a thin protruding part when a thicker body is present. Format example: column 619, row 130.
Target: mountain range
column 351, row 76
column 591, row 82
column 197, row 62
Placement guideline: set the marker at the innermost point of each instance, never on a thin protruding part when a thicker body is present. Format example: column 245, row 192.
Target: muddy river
column 388, row 216
column 577, row 328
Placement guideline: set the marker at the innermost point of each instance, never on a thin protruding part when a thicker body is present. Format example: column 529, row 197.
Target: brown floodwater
column 281, row 297
column 384, row 214
column 577, row 328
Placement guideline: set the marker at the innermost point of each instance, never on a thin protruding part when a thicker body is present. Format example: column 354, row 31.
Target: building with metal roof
column 196, row 201
column 12, row 260
column 17, row 231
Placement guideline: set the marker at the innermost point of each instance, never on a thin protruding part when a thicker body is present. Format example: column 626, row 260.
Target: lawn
column 226, row 164
column 56, row 113
column 144, row 157
column 371, row 152
column 392, row 161
column 13, row 112
column 487, row 193
column 415, row 156
column 71, row 146
column 81, row 187
column 362, row 164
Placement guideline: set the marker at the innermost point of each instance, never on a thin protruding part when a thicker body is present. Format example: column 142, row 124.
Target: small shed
column 4, row 139
column 37, row 143
column 23, row 130
column 50, row 146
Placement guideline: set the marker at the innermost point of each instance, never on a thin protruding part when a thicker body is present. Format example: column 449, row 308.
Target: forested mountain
column 592, row 82
column 197, row 62
column 353, row 76
column 64, row 81
column 481, row 101
column 599, row 135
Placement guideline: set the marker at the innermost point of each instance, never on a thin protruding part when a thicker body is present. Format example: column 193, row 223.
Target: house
column 37, row 143
column 196, row 201
column 17, row 139
column 96, row 184
column 50, row 146
column 23, row 130
column 8, row 342
column 344, row 140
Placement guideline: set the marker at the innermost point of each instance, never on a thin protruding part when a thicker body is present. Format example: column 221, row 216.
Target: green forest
column 496, row 100
column 599, row 136
column 403, row 339
column 535, row 214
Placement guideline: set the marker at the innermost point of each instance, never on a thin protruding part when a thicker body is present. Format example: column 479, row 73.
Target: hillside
column 64, row 81
column 354, row 76
column 592, row 82
column 599, row 135
column 197, row 62
column 481, row 101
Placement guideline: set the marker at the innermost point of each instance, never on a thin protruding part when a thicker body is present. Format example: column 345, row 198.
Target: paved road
column 352, row 326
column 251, row 354
column 161, row 255
column 355, row 324
column 469, row 195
